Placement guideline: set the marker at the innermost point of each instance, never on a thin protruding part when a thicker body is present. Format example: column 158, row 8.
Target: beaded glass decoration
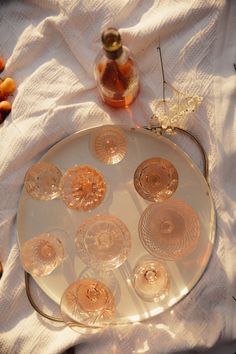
column 172, row 112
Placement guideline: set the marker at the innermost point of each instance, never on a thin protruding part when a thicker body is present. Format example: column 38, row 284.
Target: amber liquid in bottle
column 116, row 72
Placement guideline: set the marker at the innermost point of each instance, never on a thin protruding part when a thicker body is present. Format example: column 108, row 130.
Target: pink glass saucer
column 42, row 181
column 103, row 242
column 156, row 179
column 82, row 188
column 169, row 230
column 42, row 254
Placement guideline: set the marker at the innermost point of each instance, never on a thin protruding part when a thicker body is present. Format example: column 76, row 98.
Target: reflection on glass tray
column 130, row 209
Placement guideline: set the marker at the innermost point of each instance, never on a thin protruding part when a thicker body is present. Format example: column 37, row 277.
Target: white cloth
column 50, row 46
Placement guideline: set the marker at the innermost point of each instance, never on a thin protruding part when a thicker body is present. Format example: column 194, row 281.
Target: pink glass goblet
column 151, row 280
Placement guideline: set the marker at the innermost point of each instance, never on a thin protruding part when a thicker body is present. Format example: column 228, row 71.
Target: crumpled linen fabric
column 50, row 47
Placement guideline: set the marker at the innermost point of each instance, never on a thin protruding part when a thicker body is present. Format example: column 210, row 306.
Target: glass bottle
column 115, row 71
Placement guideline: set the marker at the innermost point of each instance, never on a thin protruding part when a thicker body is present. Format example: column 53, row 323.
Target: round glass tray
column 123, row 201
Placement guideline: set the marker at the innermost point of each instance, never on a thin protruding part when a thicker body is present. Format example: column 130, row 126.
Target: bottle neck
column 115, row 54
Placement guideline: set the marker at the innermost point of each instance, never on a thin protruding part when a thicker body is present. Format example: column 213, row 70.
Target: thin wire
column 186, row 132
column 163, row 74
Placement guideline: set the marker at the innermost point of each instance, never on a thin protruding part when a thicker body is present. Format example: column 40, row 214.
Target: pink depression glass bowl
column 42, row 181
column 169, row 230
column 156, row 179
column 108, row 144
column 87, row 301
column 103, row 241
column 42, row 254
column 82, row 188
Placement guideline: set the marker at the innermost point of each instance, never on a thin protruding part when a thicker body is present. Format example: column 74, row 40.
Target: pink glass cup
column 156, row 179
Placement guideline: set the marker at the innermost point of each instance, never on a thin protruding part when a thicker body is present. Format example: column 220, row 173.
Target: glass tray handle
column 170, row 131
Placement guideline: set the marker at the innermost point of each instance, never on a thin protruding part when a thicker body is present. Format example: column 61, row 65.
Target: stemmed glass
column 151, row 280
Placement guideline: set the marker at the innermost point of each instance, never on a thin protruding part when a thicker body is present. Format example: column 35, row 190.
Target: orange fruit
column 2, row 64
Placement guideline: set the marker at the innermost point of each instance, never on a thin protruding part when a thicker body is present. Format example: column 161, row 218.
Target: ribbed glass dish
column 169, row 230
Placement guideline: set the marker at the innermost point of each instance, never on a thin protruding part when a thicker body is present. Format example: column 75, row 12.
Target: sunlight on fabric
column 143, row 349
